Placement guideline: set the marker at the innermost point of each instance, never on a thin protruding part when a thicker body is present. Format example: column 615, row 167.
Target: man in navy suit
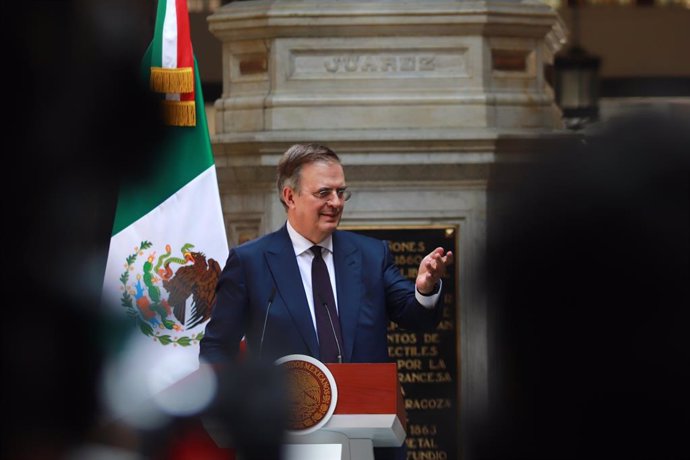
column 267, row 293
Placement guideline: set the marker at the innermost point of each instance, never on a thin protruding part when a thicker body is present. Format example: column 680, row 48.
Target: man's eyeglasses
column 325, row 194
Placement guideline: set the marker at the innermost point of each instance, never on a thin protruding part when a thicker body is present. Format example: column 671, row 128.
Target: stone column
column 418, row 98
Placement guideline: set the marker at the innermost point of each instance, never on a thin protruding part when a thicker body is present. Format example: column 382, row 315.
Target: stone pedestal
column 409, row 93
column 418, row 98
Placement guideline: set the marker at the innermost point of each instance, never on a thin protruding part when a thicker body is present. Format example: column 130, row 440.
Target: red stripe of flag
column 185, row 56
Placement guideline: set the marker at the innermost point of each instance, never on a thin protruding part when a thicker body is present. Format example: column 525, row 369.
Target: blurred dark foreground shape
column 587, row 279
column 248, row 411
column 81, row 122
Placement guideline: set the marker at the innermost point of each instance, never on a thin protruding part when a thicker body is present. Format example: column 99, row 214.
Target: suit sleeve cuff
column 429, row 301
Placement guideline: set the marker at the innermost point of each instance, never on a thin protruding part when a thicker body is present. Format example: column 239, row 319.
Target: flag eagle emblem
column 169, row 293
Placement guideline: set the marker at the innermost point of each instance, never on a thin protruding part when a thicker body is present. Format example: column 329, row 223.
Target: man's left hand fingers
column 433, row 267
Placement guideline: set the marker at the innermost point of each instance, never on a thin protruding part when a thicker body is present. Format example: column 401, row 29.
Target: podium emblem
column 312, row 392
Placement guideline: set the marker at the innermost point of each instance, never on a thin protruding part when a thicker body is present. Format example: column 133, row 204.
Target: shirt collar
column 301, row 244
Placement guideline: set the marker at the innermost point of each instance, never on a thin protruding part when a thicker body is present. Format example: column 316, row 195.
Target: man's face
column 313, row 217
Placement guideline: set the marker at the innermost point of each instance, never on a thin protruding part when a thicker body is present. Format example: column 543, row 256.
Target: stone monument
column 419, row 98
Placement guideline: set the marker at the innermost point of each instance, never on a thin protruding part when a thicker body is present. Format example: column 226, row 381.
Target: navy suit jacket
column 370, row 290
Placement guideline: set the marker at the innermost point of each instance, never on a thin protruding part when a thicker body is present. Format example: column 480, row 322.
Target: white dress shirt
column 304, row 256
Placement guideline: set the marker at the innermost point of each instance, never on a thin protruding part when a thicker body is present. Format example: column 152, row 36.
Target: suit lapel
column 347, row 260
column 281, row 260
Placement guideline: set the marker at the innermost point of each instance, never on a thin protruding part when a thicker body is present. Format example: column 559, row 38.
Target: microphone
column 337, row 343
column 268, row 308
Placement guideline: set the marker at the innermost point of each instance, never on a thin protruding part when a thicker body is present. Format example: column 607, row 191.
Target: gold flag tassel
column 179, row 113
column 172, row 80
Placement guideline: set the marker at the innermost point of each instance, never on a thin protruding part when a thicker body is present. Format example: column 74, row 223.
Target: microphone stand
column 263, row 330
column 337, row 342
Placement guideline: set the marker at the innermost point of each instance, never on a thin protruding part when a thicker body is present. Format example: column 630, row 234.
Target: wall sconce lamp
column 576, row 81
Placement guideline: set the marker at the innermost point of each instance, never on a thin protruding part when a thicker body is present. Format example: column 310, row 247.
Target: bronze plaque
column 428, row 361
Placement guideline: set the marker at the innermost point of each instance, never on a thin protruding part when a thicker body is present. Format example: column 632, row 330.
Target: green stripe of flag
column 185, row 153
column 156, row 58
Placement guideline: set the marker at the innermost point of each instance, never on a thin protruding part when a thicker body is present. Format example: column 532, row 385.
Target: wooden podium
column 369, row 412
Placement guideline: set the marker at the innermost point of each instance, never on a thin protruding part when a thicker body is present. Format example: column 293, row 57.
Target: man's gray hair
column 294, row 159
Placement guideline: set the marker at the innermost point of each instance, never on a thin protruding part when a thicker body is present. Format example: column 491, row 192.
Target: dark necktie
column 327, row 322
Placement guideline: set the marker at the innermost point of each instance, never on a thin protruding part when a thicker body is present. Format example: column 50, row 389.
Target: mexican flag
column 168, row 241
